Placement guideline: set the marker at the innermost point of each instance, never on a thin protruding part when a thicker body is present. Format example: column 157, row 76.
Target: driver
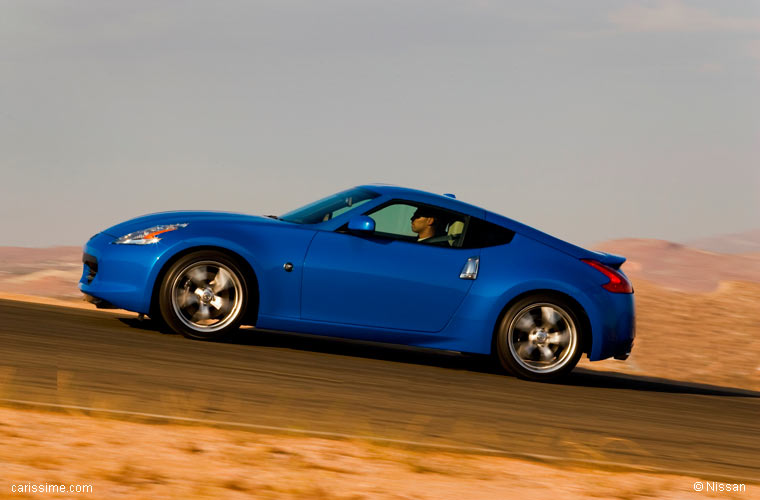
column 428, row 224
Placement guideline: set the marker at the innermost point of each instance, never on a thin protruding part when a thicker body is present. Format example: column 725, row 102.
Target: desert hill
column 746, row 242
column 679, row 267
column 48, row 272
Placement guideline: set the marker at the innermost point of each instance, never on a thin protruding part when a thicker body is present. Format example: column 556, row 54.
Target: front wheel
column 203, row 296
column 538, row 338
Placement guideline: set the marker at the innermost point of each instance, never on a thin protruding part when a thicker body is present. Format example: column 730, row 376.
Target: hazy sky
column 589, row 120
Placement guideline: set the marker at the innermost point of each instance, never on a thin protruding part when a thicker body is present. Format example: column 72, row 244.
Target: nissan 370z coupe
column 378, row 263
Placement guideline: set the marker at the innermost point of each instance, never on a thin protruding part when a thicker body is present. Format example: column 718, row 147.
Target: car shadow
column 580, row 377
column 144, row 324
column 612, row 380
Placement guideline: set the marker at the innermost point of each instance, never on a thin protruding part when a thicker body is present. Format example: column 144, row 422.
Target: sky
column 589, row 120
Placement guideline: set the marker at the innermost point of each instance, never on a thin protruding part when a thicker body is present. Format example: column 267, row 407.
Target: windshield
column 327, row 208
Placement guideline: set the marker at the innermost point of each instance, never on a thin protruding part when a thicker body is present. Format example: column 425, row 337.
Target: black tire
column 204, row 296
column 539, row 338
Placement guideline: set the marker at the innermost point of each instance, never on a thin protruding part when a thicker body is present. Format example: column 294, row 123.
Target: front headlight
column 147, row 236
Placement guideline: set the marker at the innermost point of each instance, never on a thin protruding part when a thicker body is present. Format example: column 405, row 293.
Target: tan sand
column 129, row 460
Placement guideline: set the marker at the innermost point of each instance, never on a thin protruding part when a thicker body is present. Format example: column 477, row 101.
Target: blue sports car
column 376, row 262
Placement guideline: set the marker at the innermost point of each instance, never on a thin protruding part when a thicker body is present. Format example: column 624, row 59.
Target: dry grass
column 129, row 460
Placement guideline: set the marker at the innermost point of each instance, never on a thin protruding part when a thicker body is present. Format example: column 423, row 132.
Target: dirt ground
column 131, row 460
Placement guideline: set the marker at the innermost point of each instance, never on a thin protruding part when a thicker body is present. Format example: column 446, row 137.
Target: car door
column 384, row 279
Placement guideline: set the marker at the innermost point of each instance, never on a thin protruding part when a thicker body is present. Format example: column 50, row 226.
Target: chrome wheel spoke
column 525, row 349
column 546, row 353
column 217, row 303
column 187, row 298
column 549, row 317
column 198, row 276
column 526, row 322
column 222, row 281
column 559, row 338
column 203, row 312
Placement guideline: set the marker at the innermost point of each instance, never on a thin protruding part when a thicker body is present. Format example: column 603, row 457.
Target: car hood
column 147, row 221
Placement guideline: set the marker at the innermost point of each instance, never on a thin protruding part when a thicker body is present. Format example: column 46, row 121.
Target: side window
column 404, row 221
column 482, row 234
column 395, row 221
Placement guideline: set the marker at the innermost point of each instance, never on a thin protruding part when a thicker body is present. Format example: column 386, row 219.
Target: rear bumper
column 624, row 351
column 613, row 324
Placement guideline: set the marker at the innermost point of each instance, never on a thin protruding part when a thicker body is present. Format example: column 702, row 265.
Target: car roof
column 426, row 197
column 466, row 208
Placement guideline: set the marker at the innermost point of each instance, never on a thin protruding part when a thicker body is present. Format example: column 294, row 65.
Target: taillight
column 618, row 282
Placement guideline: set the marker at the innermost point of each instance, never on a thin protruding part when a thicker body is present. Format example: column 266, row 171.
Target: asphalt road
column 95, row 359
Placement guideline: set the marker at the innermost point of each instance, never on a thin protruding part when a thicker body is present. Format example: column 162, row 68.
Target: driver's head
column 425, row 222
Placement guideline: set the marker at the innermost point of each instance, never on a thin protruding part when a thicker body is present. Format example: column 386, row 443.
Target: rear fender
column 583, row 305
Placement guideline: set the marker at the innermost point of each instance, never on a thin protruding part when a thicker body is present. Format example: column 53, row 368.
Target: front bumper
column 118, row 275
column 99, row 303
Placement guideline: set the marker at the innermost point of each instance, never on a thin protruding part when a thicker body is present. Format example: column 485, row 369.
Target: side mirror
column 361, row 224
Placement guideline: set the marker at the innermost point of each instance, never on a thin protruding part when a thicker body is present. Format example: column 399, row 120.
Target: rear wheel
column 204, row 296
column 539, row 338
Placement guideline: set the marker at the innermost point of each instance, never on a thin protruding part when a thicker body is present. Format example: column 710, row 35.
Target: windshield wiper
column 272, row 217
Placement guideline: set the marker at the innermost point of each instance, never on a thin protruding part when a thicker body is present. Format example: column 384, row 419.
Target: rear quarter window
column 481, row 234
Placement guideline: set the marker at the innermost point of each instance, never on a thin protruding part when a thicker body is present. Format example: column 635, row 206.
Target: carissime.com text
column 50, row 488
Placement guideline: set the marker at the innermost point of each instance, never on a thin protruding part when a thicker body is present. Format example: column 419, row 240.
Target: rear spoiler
column 608, row 259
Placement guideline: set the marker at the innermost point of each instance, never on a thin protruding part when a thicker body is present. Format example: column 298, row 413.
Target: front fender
column 169, row 254
column 266, row 251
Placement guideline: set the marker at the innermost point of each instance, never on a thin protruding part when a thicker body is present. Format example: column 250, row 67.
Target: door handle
column 470, row 269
